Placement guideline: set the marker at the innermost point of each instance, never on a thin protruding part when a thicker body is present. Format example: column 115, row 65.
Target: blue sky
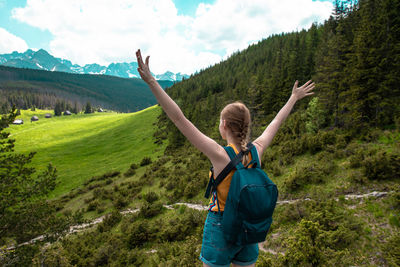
column 180, row 35
column 34, row 37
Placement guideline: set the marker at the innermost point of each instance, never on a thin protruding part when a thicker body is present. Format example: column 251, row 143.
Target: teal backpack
column 251, row 200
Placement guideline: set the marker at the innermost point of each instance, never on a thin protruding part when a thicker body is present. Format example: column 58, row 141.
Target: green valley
column 85, row 145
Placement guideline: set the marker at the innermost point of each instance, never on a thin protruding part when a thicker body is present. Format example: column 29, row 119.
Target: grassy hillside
column 84, row 145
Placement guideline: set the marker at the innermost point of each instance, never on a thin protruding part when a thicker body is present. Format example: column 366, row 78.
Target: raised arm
column 265, row 139
column 202, row 142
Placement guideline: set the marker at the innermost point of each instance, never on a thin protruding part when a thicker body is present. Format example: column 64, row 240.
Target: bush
column 358, row 176
column 171, row 184
column 132, row 170
column 129, row 173
column 93, row 205
column 110, row 174
column 382, row 166
column 100, row 193
column 291, row 213
column 304, row 246
column 133, row 166
column 394, row 201
column 109, row 221
column 358, row 154
column 391, row 250
column 150, row 210
column 192, row 188
column 120, row 202
column 323, row 237
column 314, row 173
column 319, row 141
column 179, row 227
column 150, row 197
column 138, row 234
column 274, row 168
column 54, row 255
column 145, row 161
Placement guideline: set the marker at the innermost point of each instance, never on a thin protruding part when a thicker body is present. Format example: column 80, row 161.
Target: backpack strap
column 213, row 183
column 254, row 156
column 236, row 161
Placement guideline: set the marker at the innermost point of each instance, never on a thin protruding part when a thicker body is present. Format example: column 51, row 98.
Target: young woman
column 234, row 127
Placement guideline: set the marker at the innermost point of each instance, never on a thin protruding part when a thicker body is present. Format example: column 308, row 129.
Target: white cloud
column 101, row 31
column 10, row 43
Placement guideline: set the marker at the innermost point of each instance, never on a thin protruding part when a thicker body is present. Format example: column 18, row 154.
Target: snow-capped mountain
column 41, row 59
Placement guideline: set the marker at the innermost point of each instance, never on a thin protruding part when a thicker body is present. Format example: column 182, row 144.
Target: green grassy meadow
column 85, row 145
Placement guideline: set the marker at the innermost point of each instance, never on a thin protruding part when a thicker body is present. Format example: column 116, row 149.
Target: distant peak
column 42, row 51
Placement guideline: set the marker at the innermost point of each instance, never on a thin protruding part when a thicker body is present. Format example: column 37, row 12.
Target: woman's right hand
column 143, row 68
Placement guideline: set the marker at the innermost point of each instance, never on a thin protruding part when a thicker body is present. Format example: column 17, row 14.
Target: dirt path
column 81, row 227
column 290, row 201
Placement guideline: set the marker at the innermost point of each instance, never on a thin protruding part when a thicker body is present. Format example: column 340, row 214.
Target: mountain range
column 42, row 60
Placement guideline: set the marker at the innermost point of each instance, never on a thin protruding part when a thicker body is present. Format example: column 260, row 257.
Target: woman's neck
column 231, row 141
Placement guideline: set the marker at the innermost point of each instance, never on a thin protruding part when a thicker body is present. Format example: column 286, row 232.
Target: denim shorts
column 216, row 251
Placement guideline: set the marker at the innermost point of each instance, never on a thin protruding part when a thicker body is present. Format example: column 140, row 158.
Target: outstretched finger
column 147, row 60
column 310, row 87
column 139, row 58
column 307, row 83
column 296, row 83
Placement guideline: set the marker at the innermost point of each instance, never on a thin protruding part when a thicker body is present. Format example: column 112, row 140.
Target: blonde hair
column 238, row 120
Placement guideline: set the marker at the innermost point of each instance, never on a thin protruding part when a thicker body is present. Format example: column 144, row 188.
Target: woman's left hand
column 302, row 91
column 143, row 68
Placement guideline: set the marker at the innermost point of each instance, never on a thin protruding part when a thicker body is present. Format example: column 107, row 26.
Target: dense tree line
column 353, row 58
column 26, row 99
column 125, row 95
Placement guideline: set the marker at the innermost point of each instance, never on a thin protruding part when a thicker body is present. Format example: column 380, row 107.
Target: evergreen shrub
column 320, row 140
column 150, row 210
column 359, row 153
column 130, row 172
column 274, row 168
column 394, row 201
column 290, row 213
column 357, row 176
column 133, row 166
column 138, row 234
column 110, row 220
column 145, row 161
column 150, row 197
column 391, row 250
column 303, row 175
column 93, row 205
column 323, row 237
column 382, row 166
column 120, row 202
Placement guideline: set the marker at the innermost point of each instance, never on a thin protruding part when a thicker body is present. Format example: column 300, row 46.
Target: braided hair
column 238, row 120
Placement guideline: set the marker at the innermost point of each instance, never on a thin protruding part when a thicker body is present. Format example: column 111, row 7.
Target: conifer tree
column 374, row 92
column 57, row 109
column 24, row 213
column 88, row 108
column 75, row 109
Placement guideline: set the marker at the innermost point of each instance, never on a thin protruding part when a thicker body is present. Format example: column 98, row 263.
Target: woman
column 234, row 127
